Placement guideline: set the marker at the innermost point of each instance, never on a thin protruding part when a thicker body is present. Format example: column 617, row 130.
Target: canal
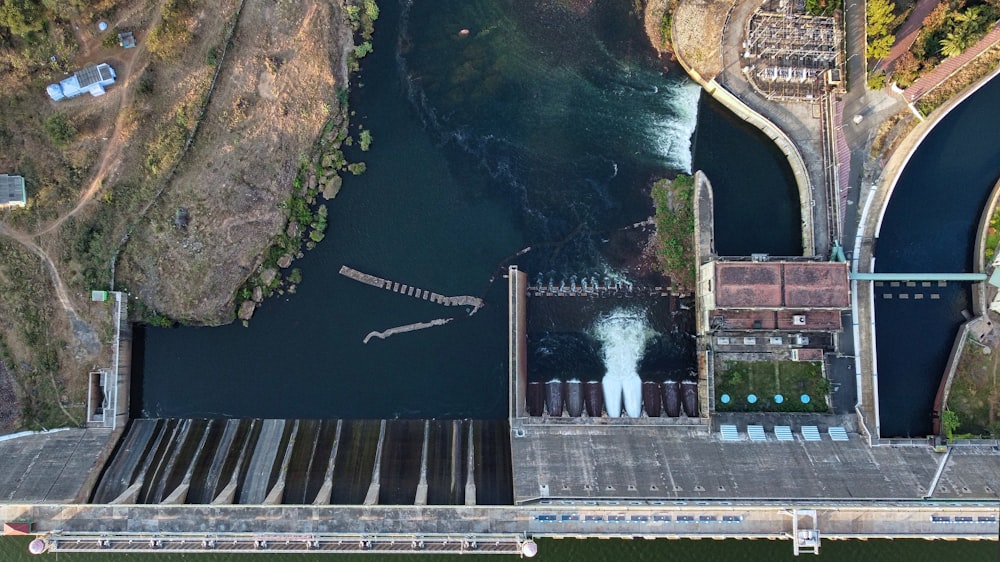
column 929, row 226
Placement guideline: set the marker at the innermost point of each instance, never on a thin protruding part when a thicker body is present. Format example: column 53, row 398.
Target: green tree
column 949, row 422
column 953, row 44
column 365, row 139
column 21, row 16
column 879, row 19
column 879, row 47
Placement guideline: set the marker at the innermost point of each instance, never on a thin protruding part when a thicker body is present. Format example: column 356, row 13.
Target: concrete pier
column 463, row 300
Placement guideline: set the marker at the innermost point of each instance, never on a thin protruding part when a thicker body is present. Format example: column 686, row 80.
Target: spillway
column 594, row 399
column 554, row 397
column 574, row 398
column 651, row 398
column 672, row 398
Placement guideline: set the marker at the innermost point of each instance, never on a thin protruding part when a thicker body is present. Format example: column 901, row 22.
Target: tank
column 690, row 398
column 595, row 399
column 651, row 398
column 671, row 398
column 536, row 399
column 554, row 397
column 612, row 387
column 574, row 398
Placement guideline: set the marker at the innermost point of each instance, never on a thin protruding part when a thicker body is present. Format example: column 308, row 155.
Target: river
column 544, row 127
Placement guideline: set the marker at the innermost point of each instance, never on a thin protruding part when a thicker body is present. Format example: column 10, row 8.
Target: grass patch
column 675, row 229
column 974, row 396
column 791, row 379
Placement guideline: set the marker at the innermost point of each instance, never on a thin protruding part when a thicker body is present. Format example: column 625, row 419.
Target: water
column 542, row 128
column 16, row 550
column 930, row 226
column 535, row 130
column 623, row 335
column 756, row 200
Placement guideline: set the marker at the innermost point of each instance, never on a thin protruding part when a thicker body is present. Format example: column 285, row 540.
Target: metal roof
column 11, row 190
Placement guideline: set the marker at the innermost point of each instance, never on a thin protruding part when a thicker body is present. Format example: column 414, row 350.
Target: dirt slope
column 274, row 93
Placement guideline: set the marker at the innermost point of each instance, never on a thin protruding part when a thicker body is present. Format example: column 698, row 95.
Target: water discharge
column 623, row 335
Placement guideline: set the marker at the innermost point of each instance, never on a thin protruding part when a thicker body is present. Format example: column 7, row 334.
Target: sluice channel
column 309, row 462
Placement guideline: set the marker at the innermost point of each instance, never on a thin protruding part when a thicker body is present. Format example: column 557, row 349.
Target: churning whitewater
column 623, row 335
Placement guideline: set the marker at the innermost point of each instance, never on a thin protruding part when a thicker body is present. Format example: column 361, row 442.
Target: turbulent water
column 569, row 120
column 623, row 335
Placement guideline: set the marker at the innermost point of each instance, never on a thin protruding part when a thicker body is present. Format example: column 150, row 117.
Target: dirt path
column 26, row 240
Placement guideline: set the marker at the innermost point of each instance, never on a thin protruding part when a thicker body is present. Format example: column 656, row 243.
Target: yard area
column 974, row 395
column 766, row 380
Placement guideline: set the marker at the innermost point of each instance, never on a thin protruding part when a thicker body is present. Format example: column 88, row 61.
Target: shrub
column 365, row 139
column 60, row 129
column 172, row 34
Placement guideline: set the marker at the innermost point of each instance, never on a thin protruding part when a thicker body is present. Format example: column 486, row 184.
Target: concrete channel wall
column 780, row 139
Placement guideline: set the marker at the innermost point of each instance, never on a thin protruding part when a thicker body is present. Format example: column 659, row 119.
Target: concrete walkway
column 950, row 66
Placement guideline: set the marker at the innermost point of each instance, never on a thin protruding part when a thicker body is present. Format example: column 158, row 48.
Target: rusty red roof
column 781, row 284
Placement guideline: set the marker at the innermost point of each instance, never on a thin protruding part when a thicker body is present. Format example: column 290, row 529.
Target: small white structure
column 12, row 192
column 90, row 80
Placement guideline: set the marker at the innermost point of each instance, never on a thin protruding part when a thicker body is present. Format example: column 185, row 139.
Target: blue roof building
column 90, row 80
column 12, row 191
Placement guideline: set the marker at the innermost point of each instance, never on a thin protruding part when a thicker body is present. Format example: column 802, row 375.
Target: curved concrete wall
column 780, row 139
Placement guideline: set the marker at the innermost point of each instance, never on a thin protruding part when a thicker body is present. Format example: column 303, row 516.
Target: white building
column 90, row 80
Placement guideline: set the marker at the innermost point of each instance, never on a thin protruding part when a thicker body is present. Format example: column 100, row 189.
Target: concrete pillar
column 278, row 491
column 323, row 496
column 179, row 494
column 373, row 489
column 421, row 498
column 470, row 470
column 228, row 494
column 130, row 494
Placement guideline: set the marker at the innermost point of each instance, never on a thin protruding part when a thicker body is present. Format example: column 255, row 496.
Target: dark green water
column 16, row 550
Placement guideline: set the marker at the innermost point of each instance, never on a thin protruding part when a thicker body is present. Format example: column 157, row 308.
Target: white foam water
column 623, row 335
column 670, row 133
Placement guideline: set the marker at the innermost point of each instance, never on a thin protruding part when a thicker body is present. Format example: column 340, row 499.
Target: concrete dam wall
column 309, row 462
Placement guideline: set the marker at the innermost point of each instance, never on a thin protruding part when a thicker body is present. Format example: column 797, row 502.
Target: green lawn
column 791, row 379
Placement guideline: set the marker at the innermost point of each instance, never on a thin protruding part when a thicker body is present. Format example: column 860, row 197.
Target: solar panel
column 783, row 433
column 837, row 433
column 729, row 433
column 756, row 433
column 88, row 76
column 810, row 433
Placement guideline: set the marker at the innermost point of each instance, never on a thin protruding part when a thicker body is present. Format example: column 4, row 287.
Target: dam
column 489, row 486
